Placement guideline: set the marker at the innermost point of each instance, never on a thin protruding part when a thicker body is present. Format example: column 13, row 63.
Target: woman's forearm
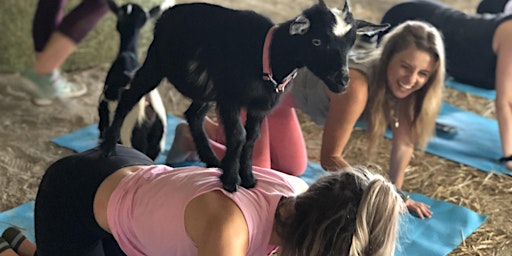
column 400, row 157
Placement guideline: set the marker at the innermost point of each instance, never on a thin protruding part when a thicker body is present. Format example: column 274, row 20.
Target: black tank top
column 491, row 6
column 468, row 38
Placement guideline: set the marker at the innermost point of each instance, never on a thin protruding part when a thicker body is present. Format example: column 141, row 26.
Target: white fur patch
column 341, row 27
column 129, row 9
column 167, row 4
column 158, row 106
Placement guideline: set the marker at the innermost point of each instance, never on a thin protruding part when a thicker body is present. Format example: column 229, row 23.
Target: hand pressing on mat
column 419, row 209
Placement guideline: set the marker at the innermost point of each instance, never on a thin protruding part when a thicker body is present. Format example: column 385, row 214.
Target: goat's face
column 131, row 17
column 327, row 35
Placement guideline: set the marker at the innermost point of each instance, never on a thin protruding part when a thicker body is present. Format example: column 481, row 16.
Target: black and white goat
column 145, row 125
column 239, row 59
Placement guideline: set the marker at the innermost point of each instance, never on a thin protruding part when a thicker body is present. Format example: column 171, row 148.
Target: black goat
column 239, row 59
column 144, row 127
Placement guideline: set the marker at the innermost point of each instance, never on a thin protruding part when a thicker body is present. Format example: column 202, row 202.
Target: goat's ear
column 299, row 26
column 346, row 7
column 154, row 12
column 322, row 3
column 113, row 6
column 370, row 29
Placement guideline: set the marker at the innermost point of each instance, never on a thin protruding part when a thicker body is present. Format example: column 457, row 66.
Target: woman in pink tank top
column 88, row 204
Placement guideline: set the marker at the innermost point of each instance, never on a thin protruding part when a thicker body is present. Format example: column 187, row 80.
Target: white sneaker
column 52, row 86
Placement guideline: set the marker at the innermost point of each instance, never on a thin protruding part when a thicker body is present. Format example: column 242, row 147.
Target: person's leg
column 55, row 41
column 287, row 147
column 183, row 147
column 280, row 146
column 46, row 19
column 69, row 33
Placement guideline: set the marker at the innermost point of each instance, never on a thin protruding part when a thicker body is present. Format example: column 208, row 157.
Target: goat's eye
column 316, row 42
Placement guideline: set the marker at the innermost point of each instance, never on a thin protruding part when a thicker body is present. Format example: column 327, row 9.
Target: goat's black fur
column 214, row 54
column 144, row 130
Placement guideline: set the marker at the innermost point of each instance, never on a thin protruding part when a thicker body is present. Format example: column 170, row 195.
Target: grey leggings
column 76, row 25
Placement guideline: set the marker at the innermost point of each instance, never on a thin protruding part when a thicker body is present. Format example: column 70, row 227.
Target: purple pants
column 76, row 25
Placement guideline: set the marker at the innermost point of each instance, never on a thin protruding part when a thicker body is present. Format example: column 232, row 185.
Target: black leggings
column 76, row 25
column 64, row 216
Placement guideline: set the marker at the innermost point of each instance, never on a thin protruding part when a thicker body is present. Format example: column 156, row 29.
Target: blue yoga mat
column 449, row 226
column 21, row 217
column 475, row 143
column 484, row 93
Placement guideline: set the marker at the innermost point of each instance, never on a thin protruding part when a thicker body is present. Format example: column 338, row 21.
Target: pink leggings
column 280, row 145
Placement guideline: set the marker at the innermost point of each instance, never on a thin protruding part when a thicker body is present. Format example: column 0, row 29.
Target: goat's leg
column 235, row 139
column 195, row 116
column 154, row 137
column 104, row 115
column 253, row 128
column 146, row 79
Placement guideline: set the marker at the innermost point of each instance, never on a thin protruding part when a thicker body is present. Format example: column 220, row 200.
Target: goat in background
column 239, row 59
column 145, row 126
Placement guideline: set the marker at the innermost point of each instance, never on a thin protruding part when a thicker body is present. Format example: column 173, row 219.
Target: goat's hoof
column 248, row 184
column 107, row 149
column 230, row 184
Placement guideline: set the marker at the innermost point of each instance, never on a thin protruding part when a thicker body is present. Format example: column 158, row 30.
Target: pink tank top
column 146, row 211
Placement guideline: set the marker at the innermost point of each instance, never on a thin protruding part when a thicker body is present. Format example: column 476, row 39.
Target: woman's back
column 160, row 195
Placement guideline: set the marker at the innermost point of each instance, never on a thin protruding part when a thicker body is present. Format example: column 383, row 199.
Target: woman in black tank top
column 478, row 52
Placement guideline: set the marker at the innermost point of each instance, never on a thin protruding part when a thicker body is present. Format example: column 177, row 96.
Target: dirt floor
column 26, row 130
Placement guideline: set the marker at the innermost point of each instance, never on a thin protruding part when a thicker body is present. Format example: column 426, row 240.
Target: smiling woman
column 399, row 83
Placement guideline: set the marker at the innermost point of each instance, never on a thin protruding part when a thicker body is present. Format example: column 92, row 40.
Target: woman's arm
column 216, row 225
column 402, row 147
column 401, row 154
column 344, row 110
column 503, row 102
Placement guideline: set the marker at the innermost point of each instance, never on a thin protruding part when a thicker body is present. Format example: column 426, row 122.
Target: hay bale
column 99, row 47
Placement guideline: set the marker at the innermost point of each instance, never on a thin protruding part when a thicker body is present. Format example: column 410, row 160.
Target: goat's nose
column 343, row 79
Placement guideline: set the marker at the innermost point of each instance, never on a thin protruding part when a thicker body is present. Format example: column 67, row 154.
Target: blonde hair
column 426, row 102
column 349, row 212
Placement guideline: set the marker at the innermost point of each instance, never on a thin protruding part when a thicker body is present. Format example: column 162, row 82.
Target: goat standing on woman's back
column 238, row 59
column 145, row 126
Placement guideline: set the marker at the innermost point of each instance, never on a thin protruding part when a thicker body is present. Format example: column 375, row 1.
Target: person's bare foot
column 183, row 147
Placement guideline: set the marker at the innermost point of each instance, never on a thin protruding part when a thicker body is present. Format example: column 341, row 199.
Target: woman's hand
column 418, row 208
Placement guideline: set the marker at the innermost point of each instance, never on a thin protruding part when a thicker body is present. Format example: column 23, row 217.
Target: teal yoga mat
column 449, row 226
column 475, row 143
column 21, row 217
column 484, row 93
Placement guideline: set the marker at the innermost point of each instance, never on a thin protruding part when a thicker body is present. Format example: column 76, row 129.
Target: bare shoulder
column 502, row 40
column 216, row 225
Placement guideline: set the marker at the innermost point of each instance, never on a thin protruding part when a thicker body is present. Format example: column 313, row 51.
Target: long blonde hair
column 349, row 212
column 426, row 102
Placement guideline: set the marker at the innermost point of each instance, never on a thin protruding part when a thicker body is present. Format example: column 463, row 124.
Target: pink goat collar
column 267, row 68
